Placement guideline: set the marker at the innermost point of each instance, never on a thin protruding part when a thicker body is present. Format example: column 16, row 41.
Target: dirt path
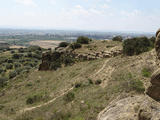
column 101, row 69
column 38, row 106
column 104, row 73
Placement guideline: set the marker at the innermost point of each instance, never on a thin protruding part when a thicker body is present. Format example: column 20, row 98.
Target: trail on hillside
column 104, row 73
column 52, row 100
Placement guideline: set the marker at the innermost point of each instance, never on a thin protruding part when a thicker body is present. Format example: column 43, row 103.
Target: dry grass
column 89, row 99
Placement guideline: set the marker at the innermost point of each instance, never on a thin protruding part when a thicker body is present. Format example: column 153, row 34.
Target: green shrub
column 135, row 46
column 55, row 65
column 90, row 81
column 137, row 85
column 37, row 56
column 75, row 46
column 78, row 85
column 21, row 50
column 98, row 82
column 69, row 97
column 34, row 48
column 9, row 66
column 35, row 98
column 117, row 38
column 1, row 70
column 29, row 54
column 153, row 39
column 12, row 51
column 83, row 40
column 3, row 81
column 17, row 65
column 63, row 44
column 146, row 72
column 10, row 61
column 16, row 56
column 12, row 74
column 128, row 82
column 68, row 60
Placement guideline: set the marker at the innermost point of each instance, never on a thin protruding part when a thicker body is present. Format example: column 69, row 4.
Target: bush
column 33, row 99
column 135, row 46
column 83, row 40
column 117, row 38
column 10, row 61
column 90, row 81
column 34, row 48
column 68, row 60
column 3, row 81
column 129, row 82
column 98, row 82
column 16, row 56
column 153, row 40
column 78, row 85
column 36, row 98
column 137, row 85
column 69, row 97
column 17, row 65
column 12, row 51
column 146, row 72
column 9, row 66
column 37, row 56
column 55, row 65
column 1, row 70
column 75, row 45
column 12, row 74
column 63, row 44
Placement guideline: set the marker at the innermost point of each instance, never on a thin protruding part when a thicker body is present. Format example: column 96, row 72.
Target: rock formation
column 140, row 107
column 49, row 57
column 154, row 89
column 157, row 43
column 131, row 108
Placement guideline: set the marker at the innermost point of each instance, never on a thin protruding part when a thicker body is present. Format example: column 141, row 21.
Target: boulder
column 154, row 89
column 131, row 108
column 157, row 43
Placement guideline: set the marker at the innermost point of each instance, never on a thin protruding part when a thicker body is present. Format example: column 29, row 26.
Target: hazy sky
column 115, row 15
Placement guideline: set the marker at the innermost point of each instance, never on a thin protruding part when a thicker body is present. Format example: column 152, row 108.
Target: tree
column 135, row 46
column 63, row 44
column 83, row 40
column 117, row 38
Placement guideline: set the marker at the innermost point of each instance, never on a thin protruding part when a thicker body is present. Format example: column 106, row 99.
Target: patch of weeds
column 90, row 81
column 128, row 82
column 28, row 84
column 146, row 72
column 36, row 98
column 98, row 82
column 69, row 97
column 78, row 85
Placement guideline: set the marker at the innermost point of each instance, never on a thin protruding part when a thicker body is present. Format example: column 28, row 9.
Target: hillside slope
column 77, row 92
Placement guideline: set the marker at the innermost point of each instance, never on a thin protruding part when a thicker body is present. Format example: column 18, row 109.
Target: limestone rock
column 157, row 43
column 132, row 108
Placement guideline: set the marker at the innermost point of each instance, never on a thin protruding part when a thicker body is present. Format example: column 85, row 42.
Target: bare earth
column 46, row 43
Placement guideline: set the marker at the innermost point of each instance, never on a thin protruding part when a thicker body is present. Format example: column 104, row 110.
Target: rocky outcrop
column 131, row 108
column 154, row 89
column 49, row 57
column 157, row 43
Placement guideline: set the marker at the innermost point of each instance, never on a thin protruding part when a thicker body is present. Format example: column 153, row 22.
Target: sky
column 100, row 15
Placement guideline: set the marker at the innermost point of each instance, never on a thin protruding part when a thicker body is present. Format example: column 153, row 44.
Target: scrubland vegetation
column 94, row 86
column 14, row 62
